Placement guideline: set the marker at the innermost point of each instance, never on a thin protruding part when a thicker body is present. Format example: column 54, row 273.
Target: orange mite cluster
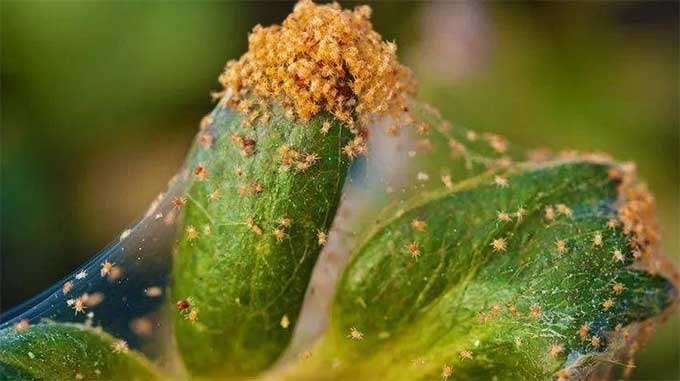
column 322, row 58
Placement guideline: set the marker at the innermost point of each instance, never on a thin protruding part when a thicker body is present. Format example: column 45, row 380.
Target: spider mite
column 214, row 196
column 355, row 334
column 106, row 268
column 193, row 315
column 618, row 288
column 555, row 350
column 285, row 322
column 549, row 213
column 413, row 249
column 279, row 233
column 248, row 147
column 322, row 237
column 66, row 288
column 192, row 233
column 120, row 346
column 201, row 172
column 597, row 240
column 503, row 216
column 183, row 304
column 500, row 181
column 22, row 326
column 446, row 372
column 520, row 213
column 153, row 291
column 499, row 244
column 419, row 225
column 178, row 202
column 564, row 210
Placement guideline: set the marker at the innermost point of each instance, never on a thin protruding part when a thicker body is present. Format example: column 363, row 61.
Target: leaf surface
column 257, row 199
column 517, row 271
column 52, row 351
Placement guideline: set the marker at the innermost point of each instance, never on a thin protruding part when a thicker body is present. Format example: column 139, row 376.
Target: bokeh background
column 100, row 101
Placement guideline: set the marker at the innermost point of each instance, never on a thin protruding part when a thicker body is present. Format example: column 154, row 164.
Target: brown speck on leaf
column 535, row 310
column 561, row 246
column 466, row 355
column 583, row 331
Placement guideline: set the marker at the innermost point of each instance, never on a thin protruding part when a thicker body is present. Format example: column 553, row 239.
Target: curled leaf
column 522, row 271
column 255, row 202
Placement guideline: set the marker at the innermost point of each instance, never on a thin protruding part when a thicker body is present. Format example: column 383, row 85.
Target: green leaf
column 415, row 299
column 242, row 281
column 52, row 351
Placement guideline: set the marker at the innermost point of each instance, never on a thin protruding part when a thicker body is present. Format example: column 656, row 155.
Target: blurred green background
column 100, row 101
